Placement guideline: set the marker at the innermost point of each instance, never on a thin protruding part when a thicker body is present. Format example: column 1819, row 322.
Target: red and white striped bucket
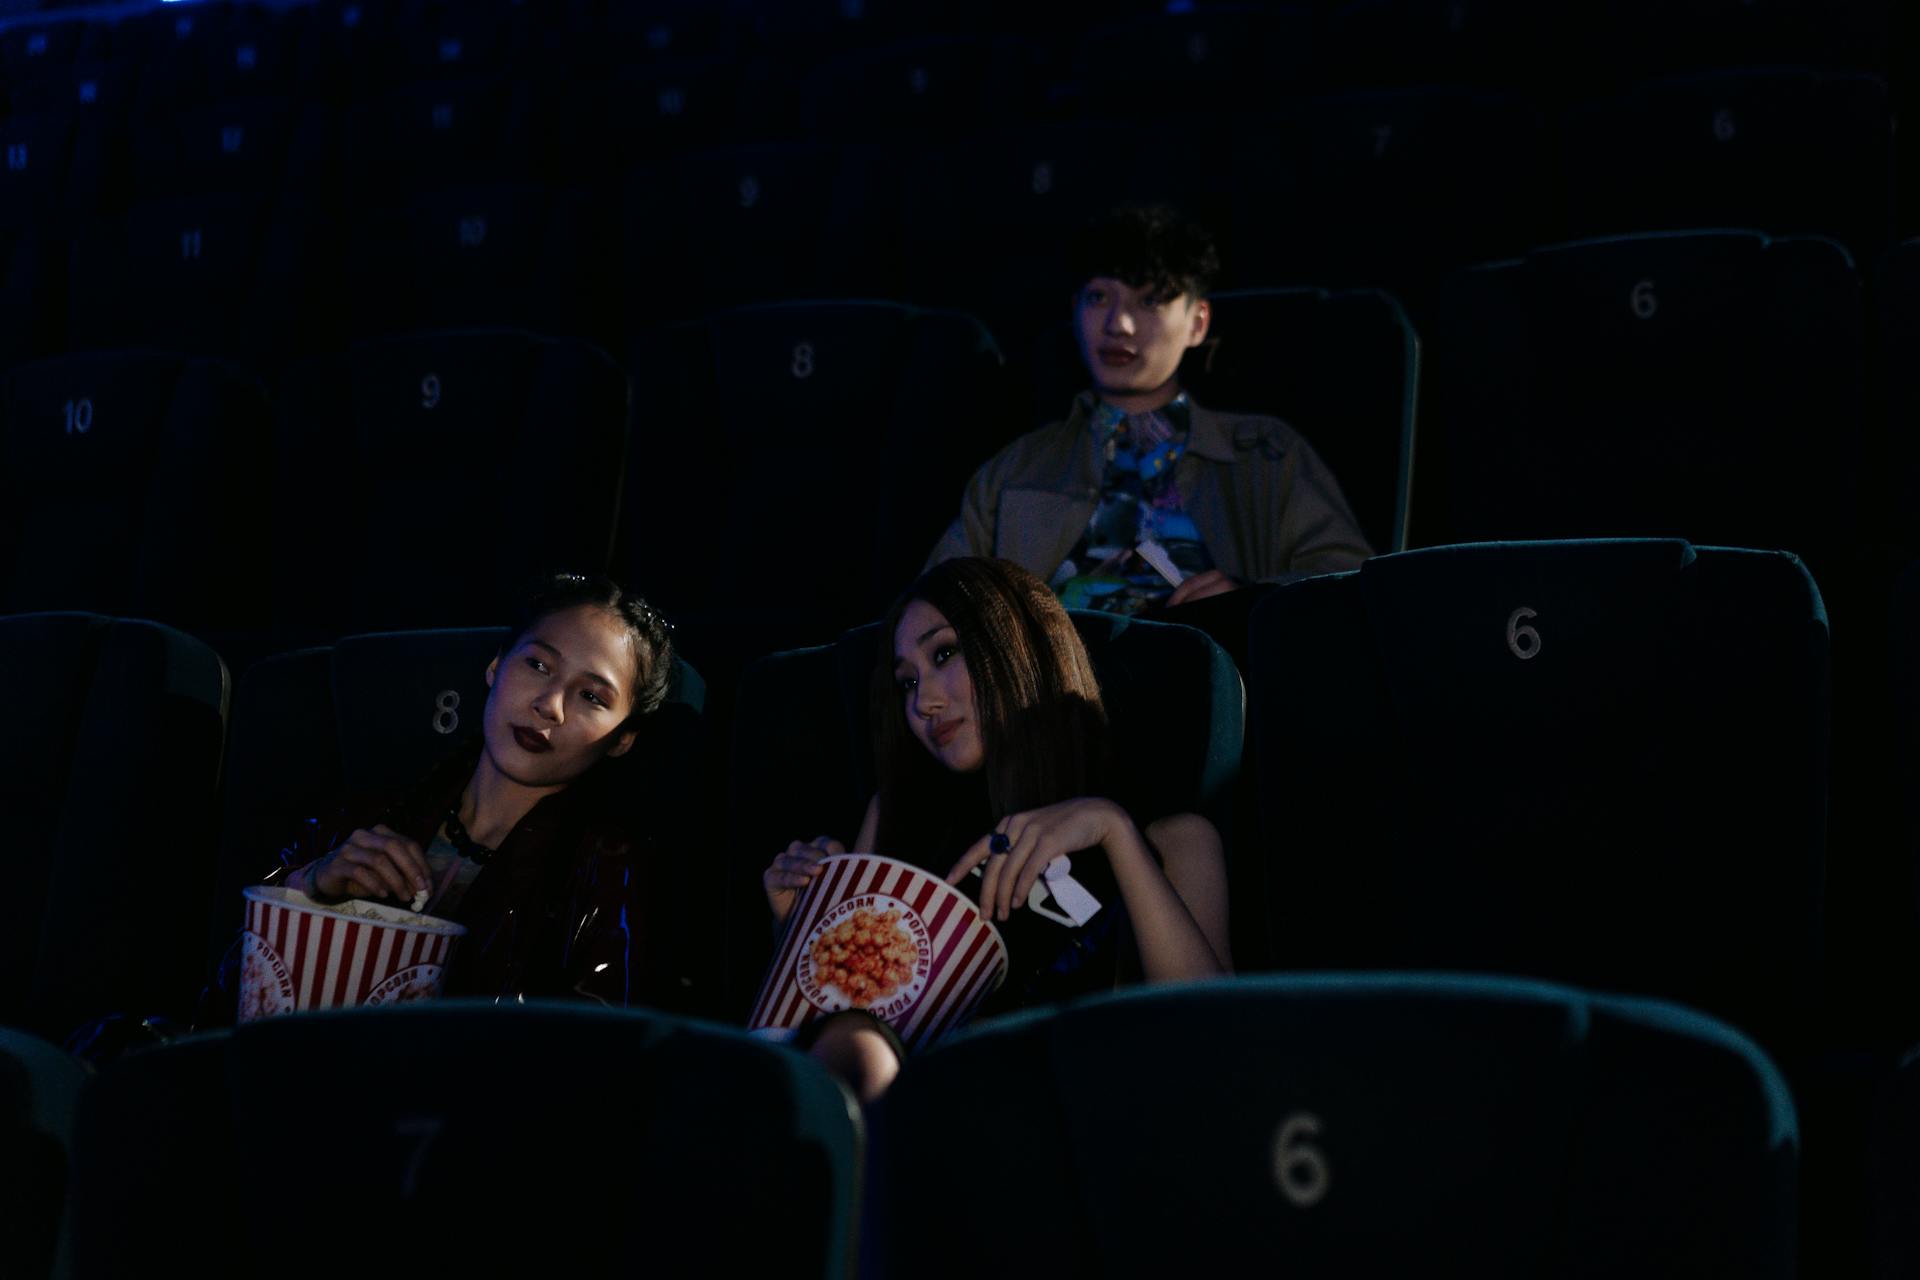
column 297, row 954
column 878, row 934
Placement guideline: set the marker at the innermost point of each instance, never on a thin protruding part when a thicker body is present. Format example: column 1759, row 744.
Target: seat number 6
column 1522, row 639
column 1300, row 1168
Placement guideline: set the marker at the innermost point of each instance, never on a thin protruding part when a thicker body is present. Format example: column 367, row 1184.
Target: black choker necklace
column 457, row 836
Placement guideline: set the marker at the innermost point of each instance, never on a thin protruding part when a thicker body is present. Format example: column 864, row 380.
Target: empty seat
column 1341, row 366
column 1386, row 188
column 733, row 225
column 26, row 51
column 109, row 801
column 1895, row 1173
column 1661, row 386
column 30, row 276
column 130, row 483
column 1597, row 762
column 1785, row 150
column 39, row 1090
column 1487, row 44
column 1897, row 493
column 662, row 106
column 254, row 145
column 438, row 472
column 500, row 255
column 241, row 275
column 326, row 732
column 652, row 1166
column 1204, row 59
column 33, row 167
column 928, row 87
column 1635, row 38
column 86, row 106
column 439, row 133
column 802, row 755
column 208, row 52
column 1344, row 1126
column 827, row 408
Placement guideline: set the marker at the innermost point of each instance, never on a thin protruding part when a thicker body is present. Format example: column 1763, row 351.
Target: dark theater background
column 1571, row 840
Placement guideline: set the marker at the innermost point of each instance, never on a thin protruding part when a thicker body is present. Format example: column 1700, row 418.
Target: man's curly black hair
column 1147, row 246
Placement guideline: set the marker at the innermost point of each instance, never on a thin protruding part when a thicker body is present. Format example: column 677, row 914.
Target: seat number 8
column 446, row 711
column 802, row 366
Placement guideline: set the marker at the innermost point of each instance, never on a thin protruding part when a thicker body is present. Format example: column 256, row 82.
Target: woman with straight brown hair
column 991, row 747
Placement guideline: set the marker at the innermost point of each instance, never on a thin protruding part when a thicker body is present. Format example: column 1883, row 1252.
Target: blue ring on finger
column 998, row 842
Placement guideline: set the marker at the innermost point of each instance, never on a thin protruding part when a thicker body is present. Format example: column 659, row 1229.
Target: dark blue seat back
column 1343, row 1126
column 110, row 797
column 583, row 1139
column 1598, row 762
column 1645, row 386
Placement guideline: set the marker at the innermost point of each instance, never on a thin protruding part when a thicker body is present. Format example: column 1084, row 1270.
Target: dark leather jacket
column 561, row 909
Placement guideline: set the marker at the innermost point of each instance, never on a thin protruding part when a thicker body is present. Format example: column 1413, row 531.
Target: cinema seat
column 29, row 285
column 460, row 257
column 1894, row 1161
column 33, row 165
column 39, row 1089
column 1898, row 290
column 562, row 1136
column 1788, row 150
column 739, row 224
column 1635, row 39
column 1647, row 386
column 920, row 90
column 399, row 451
column 122, row 487
column 1342, row 366
column 231, row 275
column 1343, row 1125
column 1479, row 44
column 110, row 800
column 437, row 133
column 1601, row 762
column 235, row 145
column 1208, row 60
column 322, row 733
column 1388, row 187
column 825, row 404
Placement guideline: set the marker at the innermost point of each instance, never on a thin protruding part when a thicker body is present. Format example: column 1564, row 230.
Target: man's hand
column 1201, row 585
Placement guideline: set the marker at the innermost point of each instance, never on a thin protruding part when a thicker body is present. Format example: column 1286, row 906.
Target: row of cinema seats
column 332, row 48
column 1673, row 385
column 1337, row 1126
column 345, row 169
column 268, row 211
column 1599, row 763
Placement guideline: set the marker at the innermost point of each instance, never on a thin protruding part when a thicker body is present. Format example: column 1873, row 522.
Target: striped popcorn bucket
column 297, row 954
column 877, row 934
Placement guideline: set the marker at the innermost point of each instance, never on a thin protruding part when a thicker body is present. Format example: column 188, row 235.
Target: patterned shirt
column 1139, row 503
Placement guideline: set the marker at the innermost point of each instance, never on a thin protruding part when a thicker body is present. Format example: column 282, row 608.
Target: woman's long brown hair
column 1036, row 703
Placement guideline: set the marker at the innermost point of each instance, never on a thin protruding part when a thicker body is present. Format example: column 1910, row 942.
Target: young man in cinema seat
column 1140, row 499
